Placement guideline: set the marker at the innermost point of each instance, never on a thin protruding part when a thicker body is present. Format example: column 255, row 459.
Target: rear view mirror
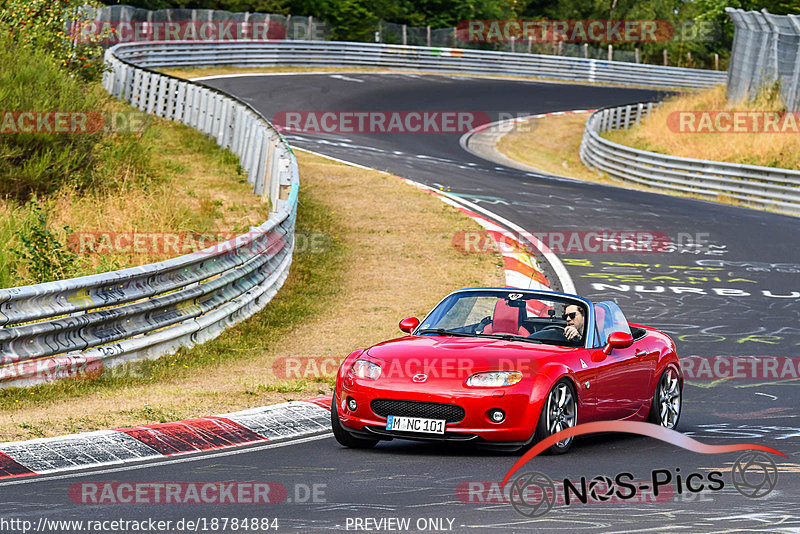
column 408, row 324
column 618, row 340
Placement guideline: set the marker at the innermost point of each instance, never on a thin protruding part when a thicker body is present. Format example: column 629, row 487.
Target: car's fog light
column 497, row 415
column 351, row 404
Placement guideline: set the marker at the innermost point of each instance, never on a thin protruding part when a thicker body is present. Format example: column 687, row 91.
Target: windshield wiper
column 512, row 337
column 443, row 332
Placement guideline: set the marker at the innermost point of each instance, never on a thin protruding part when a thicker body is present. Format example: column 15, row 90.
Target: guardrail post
column 285, row 181
column 159, row 106
column 172, row 89
column 261, row 169
column 188, row 105
column 249, row 143
column 270, row 177
column 128, row 84
column 180, row 102
column 151, row 92
column 136, row 91
column 255, row 156
column 208, row 108
column 238, row 129
column 216, row 119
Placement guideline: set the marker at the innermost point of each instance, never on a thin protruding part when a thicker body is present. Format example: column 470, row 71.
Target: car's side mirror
column 618, row 340
column 408, row 324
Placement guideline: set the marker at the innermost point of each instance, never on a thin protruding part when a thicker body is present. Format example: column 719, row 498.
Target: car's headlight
column 365, row 369
column 494, row 379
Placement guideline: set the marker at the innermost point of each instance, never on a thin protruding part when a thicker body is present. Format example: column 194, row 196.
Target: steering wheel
column 552, row 327
column 484, row 322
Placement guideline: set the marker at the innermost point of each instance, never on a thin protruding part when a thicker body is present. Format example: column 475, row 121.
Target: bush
column 45, row 25
column 39, row 163
column 45, row 256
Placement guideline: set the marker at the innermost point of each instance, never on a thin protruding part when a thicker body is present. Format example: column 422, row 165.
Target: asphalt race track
column 730, row 287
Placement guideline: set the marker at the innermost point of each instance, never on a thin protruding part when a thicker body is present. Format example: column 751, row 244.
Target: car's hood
column 472, row 354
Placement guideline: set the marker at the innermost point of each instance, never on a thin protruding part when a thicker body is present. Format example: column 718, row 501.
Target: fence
column 766, row 50
column 148, row 22
column 443, row 60
column 83, row 325
column 764, row 187
column 308, row 28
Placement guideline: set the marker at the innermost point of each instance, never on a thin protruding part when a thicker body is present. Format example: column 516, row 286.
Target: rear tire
column 667, row 400
column 560, row 411
column 343, row 436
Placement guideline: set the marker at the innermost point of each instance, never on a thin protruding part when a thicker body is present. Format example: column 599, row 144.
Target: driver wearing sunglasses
column 573, row 315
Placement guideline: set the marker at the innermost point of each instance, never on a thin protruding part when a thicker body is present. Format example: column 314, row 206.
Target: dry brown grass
column 197, row 191
column 551, row 144
column 768, row 149
column 396, row 260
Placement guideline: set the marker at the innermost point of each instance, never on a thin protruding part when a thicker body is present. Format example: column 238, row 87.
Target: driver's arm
column 571, row 333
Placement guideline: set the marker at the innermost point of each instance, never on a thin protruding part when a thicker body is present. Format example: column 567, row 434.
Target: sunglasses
column 570, row 315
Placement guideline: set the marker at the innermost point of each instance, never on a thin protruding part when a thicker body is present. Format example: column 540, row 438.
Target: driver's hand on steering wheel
column 571, row 333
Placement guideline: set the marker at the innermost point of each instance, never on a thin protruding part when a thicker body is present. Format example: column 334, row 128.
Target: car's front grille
column 428, row 410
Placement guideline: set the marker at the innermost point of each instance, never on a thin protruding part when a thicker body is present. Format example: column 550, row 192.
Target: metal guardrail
column 766, row 49
column 764, row 187
column 444, row 60
column 62, row 328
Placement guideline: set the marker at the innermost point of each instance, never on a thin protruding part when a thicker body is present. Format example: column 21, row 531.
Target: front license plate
column 415, row 424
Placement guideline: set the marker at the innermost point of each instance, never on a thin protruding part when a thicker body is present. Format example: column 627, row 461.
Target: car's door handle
column 641, row 353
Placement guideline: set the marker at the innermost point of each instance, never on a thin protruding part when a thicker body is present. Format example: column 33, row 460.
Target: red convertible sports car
column 505, row 368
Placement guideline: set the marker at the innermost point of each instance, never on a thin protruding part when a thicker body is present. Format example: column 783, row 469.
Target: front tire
column 667, row 400
column 560, row 411
column 343, row 436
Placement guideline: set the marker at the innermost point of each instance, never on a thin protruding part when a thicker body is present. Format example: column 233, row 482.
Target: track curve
column 696, row 293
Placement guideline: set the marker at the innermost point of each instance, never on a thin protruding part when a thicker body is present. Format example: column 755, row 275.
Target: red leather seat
column 505, row 320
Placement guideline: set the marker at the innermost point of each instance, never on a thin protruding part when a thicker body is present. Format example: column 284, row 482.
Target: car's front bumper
column 521, row 413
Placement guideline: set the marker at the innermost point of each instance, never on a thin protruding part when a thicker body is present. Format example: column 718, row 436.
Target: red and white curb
column 278, row 422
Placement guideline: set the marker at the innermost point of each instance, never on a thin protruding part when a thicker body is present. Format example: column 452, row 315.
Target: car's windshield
column 509, row 314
